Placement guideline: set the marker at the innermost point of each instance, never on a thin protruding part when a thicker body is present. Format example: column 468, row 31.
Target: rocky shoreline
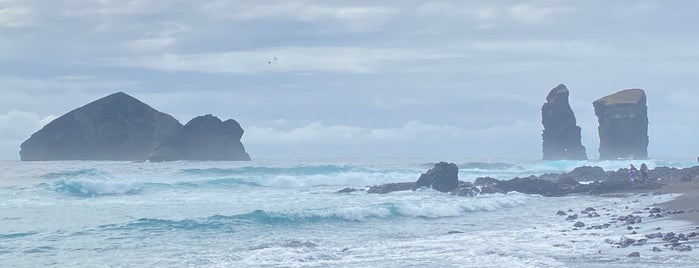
column 637, row 236
column 581, row 180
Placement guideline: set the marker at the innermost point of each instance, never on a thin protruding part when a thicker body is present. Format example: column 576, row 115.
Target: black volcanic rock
column 442, row 177
column 116, row 127
column 204, row 138
column 623, row 125
column 561, row 136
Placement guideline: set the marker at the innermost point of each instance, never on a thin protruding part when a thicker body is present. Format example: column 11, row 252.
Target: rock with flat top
column 623, row 125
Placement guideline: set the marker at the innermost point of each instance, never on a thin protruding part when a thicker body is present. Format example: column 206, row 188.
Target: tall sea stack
column 561, row 134
column 204, row 138
column 116, row 127
column 623, row 125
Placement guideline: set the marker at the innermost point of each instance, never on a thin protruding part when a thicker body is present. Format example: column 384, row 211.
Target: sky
column 393, row 78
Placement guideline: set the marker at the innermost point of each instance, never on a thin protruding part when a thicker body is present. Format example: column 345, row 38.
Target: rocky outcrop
column 561, row 136
column 203, row 138
column 623, row 125
column 391, row 187
column 116, row 127
column 597, row 181
column 443, row 177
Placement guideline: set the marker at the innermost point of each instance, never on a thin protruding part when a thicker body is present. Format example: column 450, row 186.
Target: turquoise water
column 285, row 213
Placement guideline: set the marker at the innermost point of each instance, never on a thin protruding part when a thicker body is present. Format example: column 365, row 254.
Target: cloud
column 15, row 127
column 412, row 138
column 534, row 13
column 14, row 16
column 287, row 59
column 358, row 18
column 158, row 40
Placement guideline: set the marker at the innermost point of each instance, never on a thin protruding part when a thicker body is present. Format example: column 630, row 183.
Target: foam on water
column 93, row 187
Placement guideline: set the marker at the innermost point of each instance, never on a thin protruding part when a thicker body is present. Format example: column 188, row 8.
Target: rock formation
column 442, row 177
column 116, row 127
column 623, row 125
column 203, row 138
column 561, row 134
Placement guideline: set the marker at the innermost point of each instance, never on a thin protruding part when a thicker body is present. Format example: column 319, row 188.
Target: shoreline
column 685, row 206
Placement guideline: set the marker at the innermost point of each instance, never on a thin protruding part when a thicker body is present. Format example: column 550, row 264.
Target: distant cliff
column 203, row 138
column 116, row 127
column 561, row 136
column 623, row 125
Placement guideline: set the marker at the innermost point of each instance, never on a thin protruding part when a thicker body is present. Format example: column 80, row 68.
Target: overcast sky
column 356, row 78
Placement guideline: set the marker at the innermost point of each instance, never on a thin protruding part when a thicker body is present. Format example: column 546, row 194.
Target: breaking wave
column 386, row 211
column 93, row 187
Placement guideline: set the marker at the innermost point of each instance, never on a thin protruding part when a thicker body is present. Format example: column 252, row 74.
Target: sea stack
column 561, row 136
column 116, row 127
column 623, row 125
column 204, row 138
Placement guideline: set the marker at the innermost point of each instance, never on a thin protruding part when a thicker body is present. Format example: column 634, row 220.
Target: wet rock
column 572, row 217
column 635, row 255
column 656, row 249
column 579, row 224
column 442, row 177
column 391, row 187
column 348, row 190
column 668, row 236
column 561, row 213
column 681, row 248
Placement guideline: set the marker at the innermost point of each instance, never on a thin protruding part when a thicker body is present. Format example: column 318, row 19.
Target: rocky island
column 623, row 125
column 561, row 135
column 121, row 128
column 116, row 127
column 204, row 138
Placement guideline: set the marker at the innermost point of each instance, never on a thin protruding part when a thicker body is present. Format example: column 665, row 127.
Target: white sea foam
column 92, row 187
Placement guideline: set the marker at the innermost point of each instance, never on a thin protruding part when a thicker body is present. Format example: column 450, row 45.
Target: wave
column 93, row 187
column 223, row 182
column 432, row 209
column 486, row 165
column 78, row 173
column 297, row 170
column 16, row 235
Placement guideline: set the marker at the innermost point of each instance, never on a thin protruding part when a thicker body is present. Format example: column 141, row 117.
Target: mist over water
column 286, row 213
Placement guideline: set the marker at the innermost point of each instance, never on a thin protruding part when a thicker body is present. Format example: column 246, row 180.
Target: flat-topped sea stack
column 561, row 136
column 204, row 138
column 116, row 127
column 623, row 125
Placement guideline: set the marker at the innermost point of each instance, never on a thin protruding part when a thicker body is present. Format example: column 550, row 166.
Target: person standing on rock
column 644, row 172
column 632, row 173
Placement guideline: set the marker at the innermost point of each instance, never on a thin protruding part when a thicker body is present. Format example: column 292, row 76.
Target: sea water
column 286, row 213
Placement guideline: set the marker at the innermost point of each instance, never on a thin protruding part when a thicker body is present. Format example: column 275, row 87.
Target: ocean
column 286, row 213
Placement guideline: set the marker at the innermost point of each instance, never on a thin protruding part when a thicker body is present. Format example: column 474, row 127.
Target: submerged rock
column 623, row 125
column 391, row 187
column 204, row 138
column 561, row 135
column 116, row 127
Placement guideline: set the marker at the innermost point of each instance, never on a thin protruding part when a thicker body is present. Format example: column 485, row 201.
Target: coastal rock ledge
column 561, row 135
column 116, row 127
column 204, row 138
